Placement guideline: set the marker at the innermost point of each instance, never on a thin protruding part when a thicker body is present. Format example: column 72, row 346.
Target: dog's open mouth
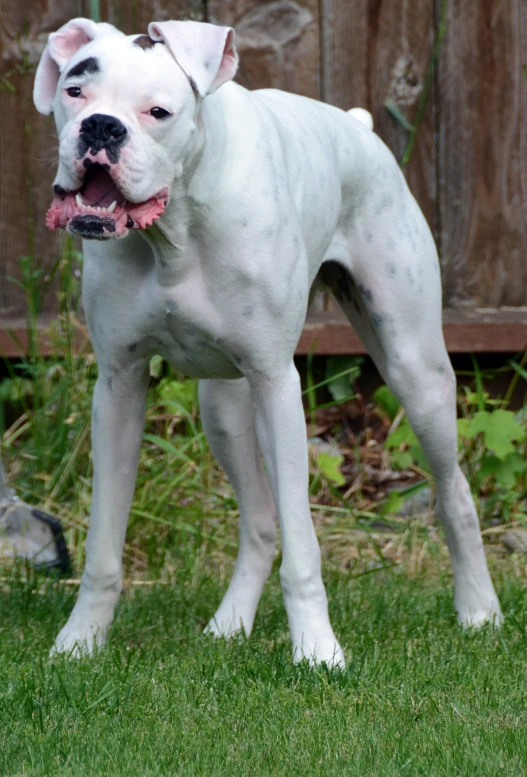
column 99, row 210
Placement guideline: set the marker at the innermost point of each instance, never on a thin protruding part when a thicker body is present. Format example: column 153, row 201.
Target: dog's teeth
column 78, row 200
column 112, row 207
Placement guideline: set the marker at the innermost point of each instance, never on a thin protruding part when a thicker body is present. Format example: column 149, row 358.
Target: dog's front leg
column 117, row 425
column 281, row 431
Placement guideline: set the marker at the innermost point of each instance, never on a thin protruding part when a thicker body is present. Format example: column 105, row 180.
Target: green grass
column 419, row 695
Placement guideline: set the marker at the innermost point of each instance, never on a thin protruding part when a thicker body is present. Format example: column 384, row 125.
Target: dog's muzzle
column 100, row 131
column 98, row 209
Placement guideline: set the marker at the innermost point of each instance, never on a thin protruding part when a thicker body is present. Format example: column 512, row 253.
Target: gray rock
column 515, row 540
column 26, row 532
column 418, row 504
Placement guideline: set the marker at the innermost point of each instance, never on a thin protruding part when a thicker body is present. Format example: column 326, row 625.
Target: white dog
column 232, row 207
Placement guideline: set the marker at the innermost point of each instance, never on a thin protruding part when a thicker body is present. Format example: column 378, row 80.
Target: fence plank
column 483, row 153
column 278, row 42
column 27, row 144
column 374, row 53
column 469, row 165
column 134, row 17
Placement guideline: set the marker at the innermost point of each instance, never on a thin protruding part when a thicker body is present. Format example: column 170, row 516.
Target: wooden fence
column 467, row 168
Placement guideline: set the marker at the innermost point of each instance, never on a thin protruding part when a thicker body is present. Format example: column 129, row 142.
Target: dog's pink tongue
column 101, row 190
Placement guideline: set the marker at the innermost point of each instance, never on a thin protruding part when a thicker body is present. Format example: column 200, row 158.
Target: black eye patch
column 89, row 65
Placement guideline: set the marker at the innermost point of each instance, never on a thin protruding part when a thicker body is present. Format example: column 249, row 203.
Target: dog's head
column 126, row 110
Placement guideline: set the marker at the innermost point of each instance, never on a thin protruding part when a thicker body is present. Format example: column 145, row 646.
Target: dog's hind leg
column 228, row 419
column 390, row 291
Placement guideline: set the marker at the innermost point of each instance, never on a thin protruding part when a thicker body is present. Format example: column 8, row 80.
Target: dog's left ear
column 205, row 52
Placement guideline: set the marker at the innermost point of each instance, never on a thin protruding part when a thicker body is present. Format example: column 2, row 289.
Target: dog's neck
column 192, row 189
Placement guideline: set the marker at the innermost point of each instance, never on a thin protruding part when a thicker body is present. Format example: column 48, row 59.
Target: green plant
column 401, row 442
column 341, row 374
column 493, row 443
column 492, row 440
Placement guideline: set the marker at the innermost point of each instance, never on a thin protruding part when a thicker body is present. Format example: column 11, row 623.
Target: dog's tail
column 362, row 115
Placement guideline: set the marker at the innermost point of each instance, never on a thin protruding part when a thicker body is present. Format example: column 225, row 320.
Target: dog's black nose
column 100, row 130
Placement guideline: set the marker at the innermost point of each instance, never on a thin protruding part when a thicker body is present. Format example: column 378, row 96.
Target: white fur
column 363, row 116
column 265, row 188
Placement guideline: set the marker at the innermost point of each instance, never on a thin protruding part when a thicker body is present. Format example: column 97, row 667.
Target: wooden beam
column 477, row 331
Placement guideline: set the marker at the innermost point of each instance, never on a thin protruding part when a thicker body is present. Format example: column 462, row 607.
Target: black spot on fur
column 377, row 320
column 145, row 42
column 89, row 65
column 59, row 190
column 339, row 280
column 366, row 293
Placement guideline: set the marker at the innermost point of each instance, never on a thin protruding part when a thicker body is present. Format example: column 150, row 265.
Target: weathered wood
column 132, row 17
column 478, row 331
column 329, row 333
column 470, row 177
column 483, row 153
column 378, row 52
column 27, row 146
column 278, row 42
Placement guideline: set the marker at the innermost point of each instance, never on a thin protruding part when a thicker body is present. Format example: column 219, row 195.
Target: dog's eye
column 74, row 91
column 159, row 113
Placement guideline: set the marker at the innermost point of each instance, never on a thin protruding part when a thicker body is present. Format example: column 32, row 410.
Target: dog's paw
column 475, row 618
column 320, row 651
column 227, row 625
column 78, row 640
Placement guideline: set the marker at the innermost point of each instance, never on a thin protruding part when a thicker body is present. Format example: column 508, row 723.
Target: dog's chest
column 185, row 328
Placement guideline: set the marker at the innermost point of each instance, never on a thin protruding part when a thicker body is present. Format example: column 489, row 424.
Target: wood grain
column 278, row 42
column 375, row 51
column 27, row 146
column 477, row 331
column 469, row 165
column 483, row 153
column 134, row 17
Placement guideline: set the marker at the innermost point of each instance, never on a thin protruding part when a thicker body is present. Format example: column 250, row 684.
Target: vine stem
column 423, row 97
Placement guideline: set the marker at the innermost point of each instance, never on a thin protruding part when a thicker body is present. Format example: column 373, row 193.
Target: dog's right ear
column 60, row 48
